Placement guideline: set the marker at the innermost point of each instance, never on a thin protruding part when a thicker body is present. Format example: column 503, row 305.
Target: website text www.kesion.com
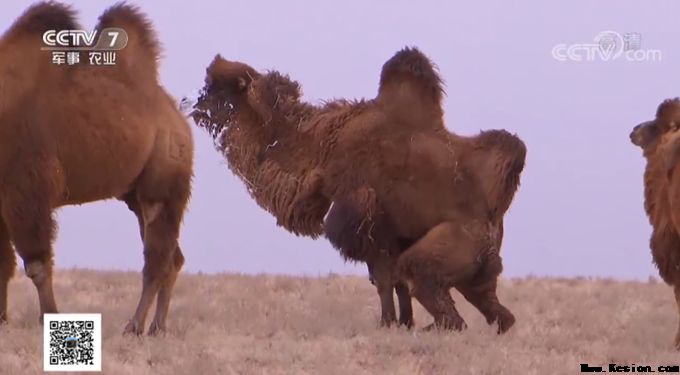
column 613, row 367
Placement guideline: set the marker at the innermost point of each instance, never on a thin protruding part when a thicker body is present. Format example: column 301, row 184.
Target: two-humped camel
column 71, row 134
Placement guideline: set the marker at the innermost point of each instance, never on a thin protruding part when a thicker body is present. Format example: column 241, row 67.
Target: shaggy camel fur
column 398, row 181
column 660, row 143
column 82, row 133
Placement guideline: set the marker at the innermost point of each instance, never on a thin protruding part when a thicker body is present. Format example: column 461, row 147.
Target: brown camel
column 83, row 133
column 398, row 181
column 659, row 142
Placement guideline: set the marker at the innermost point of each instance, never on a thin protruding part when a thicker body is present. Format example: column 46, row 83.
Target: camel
column 421, row 206
column 72, row 134
column 658, row 140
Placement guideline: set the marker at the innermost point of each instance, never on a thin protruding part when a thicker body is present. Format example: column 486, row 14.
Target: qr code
column 72, row 342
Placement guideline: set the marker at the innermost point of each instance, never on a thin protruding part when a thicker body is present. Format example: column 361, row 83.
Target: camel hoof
column 133, row 328
column 408, row 323
column 429, row 327
column 505, row 321
column 386, row 323
column 456, row 325
column 155, row 329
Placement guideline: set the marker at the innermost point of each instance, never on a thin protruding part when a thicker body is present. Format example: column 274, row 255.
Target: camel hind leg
column 480, row 291
column 445, row 256
column 8, row 265
column 161, row 230
column 161, row 196
column 437, row 300
column 165, row 293
column 165, row 290
column 167, row 285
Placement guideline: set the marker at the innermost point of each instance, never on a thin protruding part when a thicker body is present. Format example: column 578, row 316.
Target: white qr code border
column 96, row 336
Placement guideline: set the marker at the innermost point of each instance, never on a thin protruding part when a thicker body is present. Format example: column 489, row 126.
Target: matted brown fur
column 389, row 166
column 82, row 133
column 659, row 142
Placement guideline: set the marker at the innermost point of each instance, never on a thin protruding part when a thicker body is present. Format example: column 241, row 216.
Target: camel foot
column 451, row 324
column 408, row 323
column 386, row 322
column 505, row 320
column 133, row 328
column 155, row 329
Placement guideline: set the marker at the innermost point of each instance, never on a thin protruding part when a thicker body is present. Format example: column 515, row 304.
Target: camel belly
column 102, row 170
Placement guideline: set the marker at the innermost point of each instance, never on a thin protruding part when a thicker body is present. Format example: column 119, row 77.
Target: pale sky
column 579, row 210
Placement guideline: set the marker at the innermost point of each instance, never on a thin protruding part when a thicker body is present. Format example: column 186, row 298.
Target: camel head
column 647, row 134
column 253, row 119
column 223, row 95
column 236, row 94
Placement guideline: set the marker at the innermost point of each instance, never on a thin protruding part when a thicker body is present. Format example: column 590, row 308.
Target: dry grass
column 224, row 324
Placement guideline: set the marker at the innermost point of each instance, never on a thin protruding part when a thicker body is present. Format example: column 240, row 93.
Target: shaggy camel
column 398, row 181
column 83, row 133
column 660, row 145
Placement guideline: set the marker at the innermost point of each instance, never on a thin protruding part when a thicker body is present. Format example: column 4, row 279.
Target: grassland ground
column 265, row 324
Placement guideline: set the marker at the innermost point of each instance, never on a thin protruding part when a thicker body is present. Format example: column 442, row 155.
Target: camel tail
column 142, row 51
column 410, row 79
column 43, row 16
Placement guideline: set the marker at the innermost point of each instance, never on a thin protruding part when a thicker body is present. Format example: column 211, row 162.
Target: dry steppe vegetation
column 237, row 324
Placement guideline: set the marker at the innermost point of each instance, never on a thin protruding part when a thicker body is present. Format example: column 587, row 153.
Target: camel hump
column 410, row 78
column 143, row 48
column 668, row 107
column 43, row 16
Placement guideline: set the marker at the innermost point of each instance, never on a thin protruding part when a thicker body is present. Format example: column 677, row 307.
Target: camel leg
column 405, row 306
column 442, row 258
column 483, row 297
column 165, row 293
column 133, row 204
column 380, row 269
column 31, row 229
column 7, row 267
column 161, row 229
column 480, row 291
column 677, row 301
column 437, row 300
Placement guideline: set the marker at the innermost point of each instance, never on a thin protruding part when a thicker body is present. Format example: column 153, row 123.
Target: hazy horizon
column 579, row 210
